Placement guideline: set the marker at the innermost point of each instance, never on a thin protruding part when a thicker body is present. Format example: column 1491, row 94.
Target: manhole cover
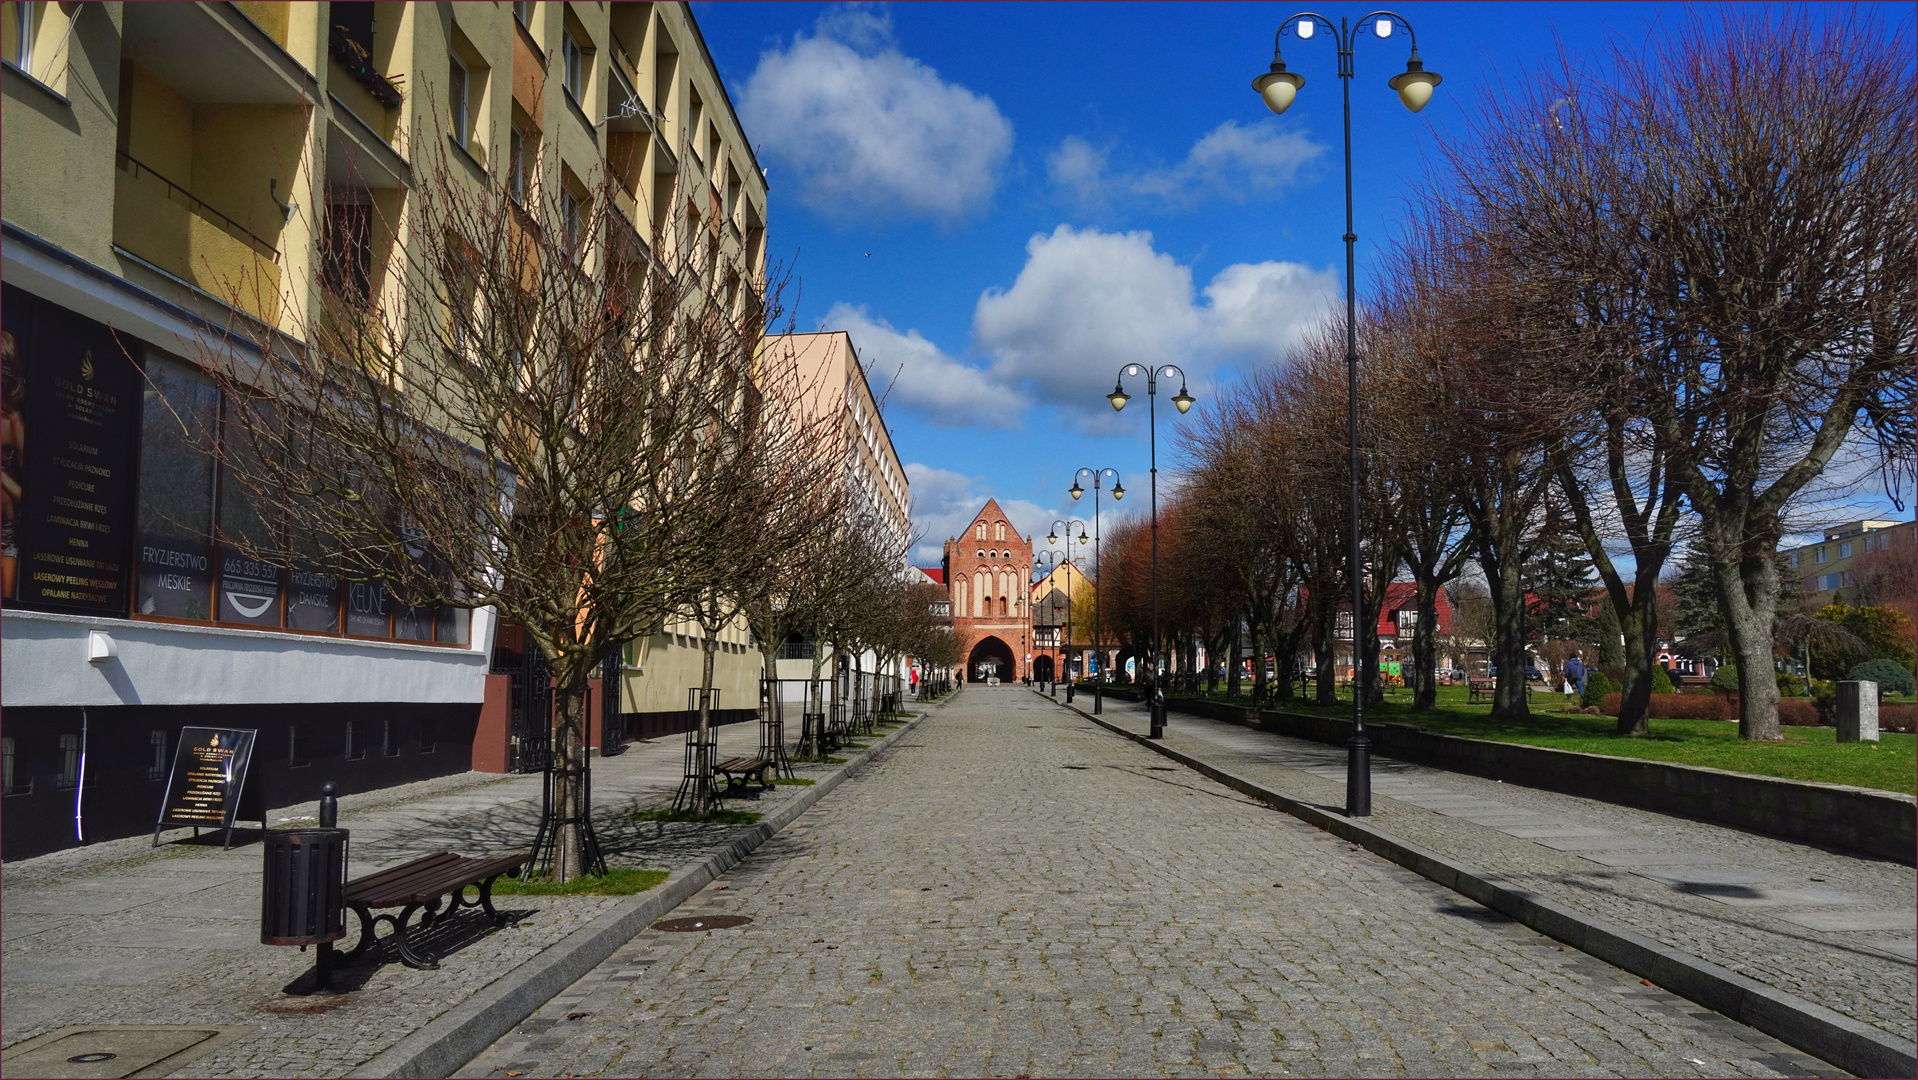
column 82, row 1053
column 701, row 923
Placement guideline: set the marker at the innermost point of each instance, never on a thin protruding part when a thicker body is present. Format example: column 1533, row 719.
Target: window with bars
column 157, row 767
column 299, row 745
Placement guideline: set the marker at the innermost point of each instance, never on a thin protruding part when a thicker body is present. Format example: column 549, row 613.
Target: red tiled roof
column 936, row 573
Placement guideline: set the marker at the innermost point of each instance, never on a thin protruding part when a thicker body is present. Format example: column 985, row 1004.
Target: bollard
column 1857, row 711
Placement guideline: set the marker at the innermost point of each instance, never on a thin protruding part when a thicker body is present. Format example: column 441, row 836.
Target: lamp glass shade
column 1076, row 490
column 1382, row 28
column 1278, row 88
column 1306, row 29
column 1118, row 397
column 1051, row 538
column 1118, row 491
column 1414, row 87
column 1082, row 538
column 1183, row 400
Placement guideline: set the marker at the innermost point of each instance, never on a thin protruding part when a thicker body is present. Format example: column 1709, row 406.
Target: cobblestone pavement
column 118, row 933
column 1833, row 928
column 1012, row 891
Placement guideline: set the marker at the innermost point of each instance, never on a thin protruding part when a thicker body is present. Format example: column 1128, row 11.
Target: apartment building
column 179, row 175
column 833, row 378
column 1830, row 566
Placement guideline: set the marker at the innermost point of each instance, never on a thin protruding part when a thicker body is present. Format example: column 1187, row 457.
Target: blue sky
column 1004, row 203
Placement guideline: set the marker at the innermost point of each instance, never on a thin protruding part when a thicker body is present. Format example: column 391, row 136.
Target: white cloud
column 941, row 389
column 944, row 502
column 864, row 129
column 1088, row 302
column 1233, row 162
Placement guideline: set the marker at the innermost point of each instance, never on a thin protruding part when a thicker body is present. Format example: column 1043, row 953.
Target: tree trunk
column 569, row 761
column 1639, row 624
column 1748, row 596
column 1508, row 649
column 1258, row 667
column 704, row 800
column 1425, row 648
column 1232, row 678
column 1327, row 684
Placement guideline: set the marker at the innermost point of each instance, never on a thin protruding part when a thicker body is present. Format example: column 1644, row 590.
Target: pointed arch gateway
column 990, row 657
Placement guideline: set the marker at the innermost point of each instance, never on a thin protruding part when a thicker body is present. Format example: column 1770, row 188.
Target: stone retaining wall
column 1879, row 823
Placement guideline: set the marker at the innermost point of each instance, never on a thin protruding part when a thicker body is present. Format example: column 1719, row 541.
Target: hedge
column 1678, row 707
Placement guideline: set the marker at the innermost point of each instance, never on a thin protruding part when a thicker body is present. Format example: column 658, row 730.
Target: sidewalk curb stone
column 1855, row 1047
column 457, row 1035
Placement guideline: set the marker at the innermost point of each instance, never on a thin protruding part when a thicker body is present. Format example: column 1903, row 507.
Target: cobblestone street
column 1011, row 891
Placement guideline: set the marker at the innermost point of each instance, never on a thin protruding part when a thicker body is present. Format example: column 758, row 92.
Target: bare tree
column 528, row 407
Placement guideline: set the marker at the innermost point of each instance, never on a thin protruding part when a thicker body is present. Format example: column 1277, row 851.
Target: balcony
column 213, row 54
column 163, row 224
column 358, row 64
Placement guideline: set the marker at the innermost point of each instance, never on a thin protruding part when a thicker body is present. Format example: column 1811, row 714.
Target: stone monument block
column 1858, row 711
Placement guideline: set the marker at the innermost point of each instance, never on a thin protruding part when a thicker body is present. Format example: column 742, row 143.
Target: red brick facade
column 988, row 572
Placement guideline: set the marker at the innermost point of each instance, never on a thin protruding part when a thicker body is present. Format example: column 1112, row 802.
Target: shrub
column 1726, row 677
column 1898, row 718
column 1661, row 679
column 1793, row 712
column 1891, row 676
column 1597, row 686
column 1791, row 686
column 1824, row 697
column 1677, row 707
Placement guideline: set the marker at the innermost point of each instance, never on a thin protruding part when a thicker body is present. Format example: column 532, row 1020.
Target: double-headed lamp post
column 1183, row 401
column 1052, row 538
column 1414, row 85
column 1098, row 571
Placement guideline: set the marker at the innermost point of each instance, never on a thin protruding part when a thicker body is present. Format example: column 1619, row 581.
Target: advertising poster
column 72, row 397
column 208, row 778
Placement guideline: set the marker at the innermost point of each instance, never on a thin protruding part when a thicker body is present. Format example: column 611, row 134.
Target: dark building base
column 126, row 769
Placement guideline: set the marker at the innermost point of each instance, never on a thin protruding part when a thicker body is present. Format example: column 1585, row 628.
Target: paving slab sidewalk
column 119, row 933
column 1833, row 928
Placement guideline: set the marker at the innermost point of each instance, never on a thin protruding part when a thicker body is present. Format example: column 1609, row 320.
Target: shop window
column 157, row 767
column 428, row 735
column 175, row 503
column 356, row 734
column 299, row 745
column 368, row 612
column 69, row 762
column 453, row 626
column 413, row 622
column 249, row 584
column 13, row 770
column 390, row 738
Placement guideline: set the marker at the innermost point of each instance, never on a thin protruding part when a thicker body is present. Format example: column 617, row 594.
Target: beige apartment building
column 179, row 173
column 834, row 379
column 1829, row 567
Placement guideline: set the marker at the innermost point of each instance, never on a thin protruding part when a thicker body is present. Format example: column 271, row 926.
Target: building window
column 21, row 55
column 12, row 774
column 355, row 739
column 573, row 59
column 1818, row 555
column 523, row 14
column 516, row 167
column 69, row 761
column 999, row 531
column 156, row 769
column 1844, row 550
column 458, row 87
column 346, row 256
column 569, row 220
column 1794, row 560
column 428, row 733
column 299, row 745
column 390, row 738
column 980, row 531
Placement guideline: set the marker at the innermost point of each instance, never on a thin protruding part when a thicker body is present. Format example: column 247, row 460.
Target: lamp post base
column 1158, row 715
column 1098, row 698
column 1358, row 776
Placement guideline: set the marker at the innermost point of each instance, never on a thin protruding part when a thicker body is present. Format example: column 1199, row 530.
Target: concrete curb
column 1853, row 1046
column 458, row 1035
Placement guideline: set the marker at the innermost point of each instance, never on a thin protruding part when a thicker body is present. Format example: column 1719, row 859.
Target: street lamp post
column 1052, row 538
column 1414, row 85
column 1098, row 571
column 1183, row 400
column 1047, row 563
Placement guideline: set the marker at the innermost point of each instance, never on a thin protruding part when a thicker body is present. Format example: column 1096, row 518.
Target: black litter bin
column 303, row 900
column 303, row 889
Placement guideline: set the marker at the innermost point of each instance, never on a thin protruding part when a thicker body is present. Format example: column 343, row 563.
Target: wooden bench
column 421, row 884
column 1484, row 691
column 738, row 770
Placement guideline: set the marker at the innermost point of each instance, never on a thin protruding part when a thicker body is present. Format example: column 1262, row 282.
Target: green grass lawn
column 1805, row 754
column 615, row 883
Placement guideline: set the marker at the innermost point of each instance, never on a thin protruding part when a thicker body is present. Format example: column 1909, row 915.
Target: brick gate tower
column 988, row 575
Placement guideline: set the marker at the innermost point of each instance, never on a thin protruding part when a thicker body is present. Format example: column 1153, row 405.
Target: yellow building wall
column 61, row 198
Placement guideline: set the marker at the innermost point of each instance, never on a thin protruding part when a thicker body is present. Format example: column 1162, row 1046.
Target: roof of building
column 936, row 573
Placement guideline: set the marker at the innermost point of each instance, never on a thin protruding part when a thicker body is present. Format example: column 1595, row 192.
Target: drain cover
column 84, row 1053
column 701, row 923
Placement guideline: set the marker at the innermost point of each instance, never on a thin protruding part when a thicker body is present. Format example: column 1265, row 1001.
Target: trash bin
column 303, row 900
column 303, row 889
